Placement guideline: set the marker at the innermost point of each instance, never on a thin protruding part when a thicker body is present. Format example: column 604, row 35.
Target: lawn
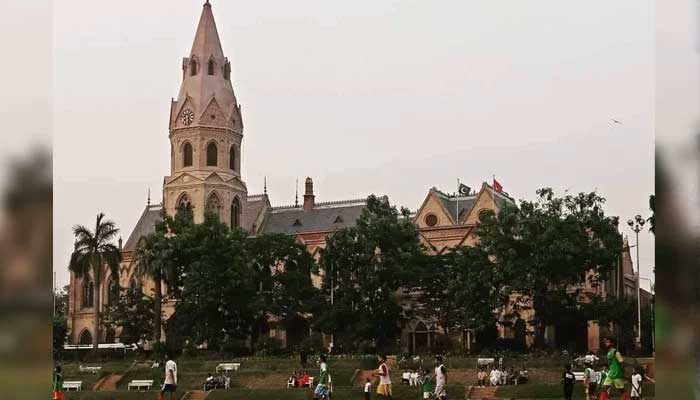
column 545, row 391
column 345, row 393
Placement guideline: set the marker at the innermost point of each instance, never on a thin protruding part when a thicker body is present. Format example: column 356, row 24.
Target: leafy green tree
column 60, row 321
column 134, row 312
column 217, row 286
column 366, row 265
column 282, row 269
column 94, row 253
column 545, row 249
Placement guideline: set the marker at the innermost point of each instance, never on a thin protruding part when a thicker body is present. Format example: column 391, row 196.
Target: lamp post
column 636, row 225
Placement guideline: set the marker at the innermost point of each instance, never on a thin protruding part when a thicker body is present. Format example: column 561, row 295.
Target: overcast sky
column 386, row 97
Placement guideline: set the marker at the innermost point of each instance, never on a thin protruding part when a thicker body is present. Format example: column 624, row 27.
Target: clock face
column 187, row 116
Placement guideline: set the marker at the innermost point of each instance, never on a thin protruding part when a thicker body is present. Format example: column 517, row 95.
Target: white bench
column 73, row 385
column 226, row 367
column 92, row 370
column 578, row 376
column 484, row 362
column 138, row 384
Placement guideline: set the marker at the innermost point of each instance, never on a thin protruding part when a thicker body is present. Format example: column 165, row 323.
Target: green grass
column 543, row 391
column 346, row 393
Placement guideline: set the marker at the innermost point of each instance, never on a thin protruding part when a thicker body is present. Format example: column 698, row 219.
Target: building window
column 212, row 155
column 484, row 213
column 187, row 155
column 210, row 67
column 184, row 201
column 235, row 213
column 232, row 158
column 213, row 204
column 193, row 67
column 88, row 295
column 112, row 292
column 431, row 220
column 85, row 337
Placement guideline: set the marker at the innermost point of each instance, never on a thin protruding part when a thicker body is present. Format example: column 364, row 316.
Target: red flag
column 497, row 186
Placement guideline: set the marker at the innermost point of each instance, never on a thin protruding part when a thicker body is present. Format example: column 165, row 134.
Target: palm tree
column 94, row 252
column 148, row 259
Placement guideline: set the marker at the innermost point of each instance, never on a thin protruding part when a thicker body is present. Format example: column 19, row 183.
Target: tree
column 282, row 270
column 365, row 265
column 546, row 248
column 94, row 252
column 134, row 313
column 60, row 322
column 217, row 286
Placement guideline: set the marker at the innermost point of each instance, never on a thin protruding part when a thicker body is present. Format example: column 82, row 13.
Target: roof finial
column 265, row 185
column 296, row 194
column 149, row 196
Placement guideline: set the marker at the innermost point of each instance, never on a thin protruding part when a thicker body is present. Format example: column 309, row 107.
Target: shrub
column 369, row 362
column 268, row 346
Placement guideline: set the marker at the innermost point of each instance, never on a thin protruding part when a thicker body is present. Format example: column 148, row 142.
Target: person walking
column 58, row 383
column 322, row 391
column 384, row 374
column 590, row 380
column 568, row 379
column 170, row 381
column 615, row 376
column 426, row 386
column 440, row 379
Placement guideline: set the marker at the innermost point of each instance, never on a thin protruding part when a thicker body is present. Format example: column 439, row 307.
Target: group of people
column 299, row 379
column 432, row 385
column 411, row 378
column 500, row 376
column 603, row 384
column 216, row 382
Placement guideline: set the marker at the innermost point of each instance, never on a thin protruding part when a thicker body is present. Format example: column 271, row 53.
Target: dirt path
column 195, row 395
column 108, row 383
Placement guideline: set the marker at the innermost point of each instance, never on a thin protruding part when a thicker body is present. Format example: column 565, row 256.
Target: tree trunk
column 157, row 297
column 98, row 309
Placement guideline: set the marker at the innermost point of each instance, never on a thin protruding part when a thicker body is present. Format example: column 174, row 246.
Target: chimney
column 309, row 195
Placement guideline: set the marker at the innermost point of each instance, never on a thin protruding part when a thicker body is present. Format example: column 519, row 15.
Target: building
column 206, row 132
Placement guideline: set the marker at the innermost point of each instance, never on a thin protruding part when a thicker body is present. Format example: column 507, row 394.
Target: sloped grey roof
column 145, row 226
column 291, row 220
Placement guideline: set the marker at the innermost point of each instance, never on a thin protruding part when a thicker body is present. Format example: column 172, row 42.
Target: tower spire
column 149, row 196
column 296, row 194
column 265, row 185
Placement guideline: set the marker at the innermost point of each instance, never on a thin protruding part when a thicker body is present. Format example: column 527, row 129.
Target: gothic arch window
column 187, row 155
column 88, row 292
column 193, row 67
column 184, row 201
column 112, row 292
column 235, row 213
column 85, row 337
column 210, row 67
column 232, row 158
column 213, row 203
column 212, row 155
column 227, row 71
column 420, row 327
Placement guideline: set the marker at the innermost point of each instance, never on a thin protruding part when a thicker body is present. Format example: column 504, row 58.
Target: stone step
column 195, row 395
column 482, row 393
column 108, row 383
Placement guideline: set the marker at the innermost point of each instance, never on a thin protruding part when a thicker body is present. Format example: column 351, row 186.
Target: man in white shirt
column 440, row 379
column 170, row 382
column 495, row 377
column 384, row 374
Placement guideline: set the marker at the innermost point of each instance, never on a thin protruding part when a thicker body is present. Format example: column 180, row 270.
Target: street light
column 637, row 225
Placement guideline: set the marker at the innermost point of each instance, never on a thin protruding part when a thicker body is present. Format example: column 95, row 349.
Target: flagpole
column 458, row 187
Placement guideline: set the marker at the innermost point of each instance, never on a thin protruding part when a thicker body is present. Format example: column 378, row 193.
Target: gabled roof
column 146, row 225
column 323, row 217
column 456, row 205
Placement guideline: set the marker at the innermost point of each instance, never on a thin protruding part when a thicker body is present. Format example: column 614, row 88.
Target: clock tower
column 206, row 134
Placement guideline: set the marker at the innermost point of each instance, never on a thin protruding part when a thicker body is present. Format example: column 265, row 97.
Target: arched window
column 193, row 67
column 235, row 213
column 213, row 204
column 88, row 292
column 212, row 155
column 112, row 292
column 85, row 337
column 187, row 155
column 210, row 67
column 232, row 158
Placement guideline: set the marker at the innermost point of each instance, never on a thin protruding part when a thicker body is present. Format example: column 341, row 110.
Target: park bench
column 227, row 367
column 309, row 383
column 138, row 384
column 578, row 376
column 92, row 370
column 73, row 385
column 484, row 362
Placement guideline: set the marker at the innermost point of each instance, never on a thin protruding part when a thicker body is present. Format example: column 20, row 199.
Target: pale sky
column 370, row 96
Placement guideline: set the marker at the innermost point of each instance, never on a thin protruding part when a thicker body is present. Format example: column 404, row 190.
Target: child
column 426, row 386
column 58, row 384
column 368, row 388
column 590, row 380
column 568, row 379
column 638, row 378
